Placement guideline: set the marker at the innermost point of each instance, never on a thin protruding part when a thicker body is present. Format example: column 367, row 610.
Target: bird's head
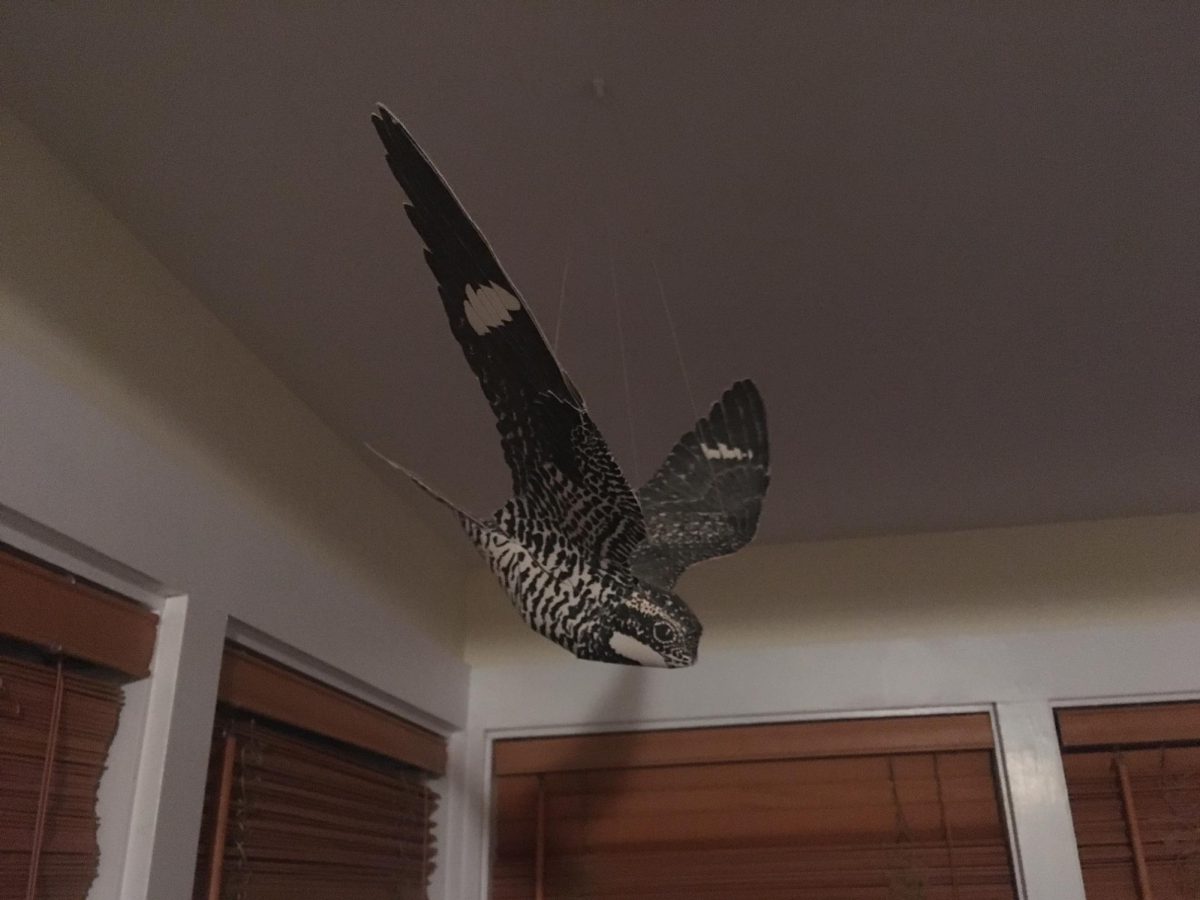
column 652, row 628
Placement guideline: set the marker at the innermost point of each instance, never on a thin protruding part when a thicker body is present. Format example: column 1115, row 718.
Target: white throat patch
column 488, row 307
column 632, row 648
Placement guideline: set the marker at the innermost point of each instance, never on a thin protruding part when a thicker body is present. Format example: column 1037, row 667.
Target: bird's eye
column 663, row 632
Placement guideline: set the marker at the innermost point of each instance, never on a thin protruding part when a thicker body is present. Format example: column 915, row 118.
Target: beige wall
column 922, row 586
column 82, row 299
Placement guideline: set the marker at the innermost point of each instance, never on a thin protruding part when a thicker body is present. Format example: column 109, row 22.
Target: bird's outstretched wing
column 549, row 441
column 704, row 501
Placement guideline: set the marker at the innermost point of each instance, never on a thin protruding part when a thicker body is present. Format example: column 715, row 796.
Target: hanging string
column 613, row 126
column 609, row 124
column 625, row 372
column 622, row 150
column 687, row 382
column 39, row 827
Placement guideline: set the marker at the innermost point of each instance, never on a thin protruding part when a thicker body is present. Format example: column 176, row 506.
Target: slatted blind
column 55, row 731
column 292, row 813
column 65, row 648
column 257, row 685
column 893, row 808
column 1133, row 777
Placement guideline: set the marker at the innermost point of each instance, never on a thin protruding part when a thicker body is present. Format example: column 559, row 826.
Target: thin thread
column 562, row 302
column 625, row 372
column 615, row 125
column 687, row 382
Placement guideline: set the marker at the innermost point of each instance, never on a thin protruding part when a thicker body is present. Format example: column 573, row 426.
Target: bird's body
column 559, row 591
column 587, row 563
column 555, row 588
column 564, row 594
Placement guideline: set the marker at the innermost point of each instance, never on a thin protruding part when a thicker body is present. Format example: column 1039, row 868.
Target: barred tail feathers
column 472, row 526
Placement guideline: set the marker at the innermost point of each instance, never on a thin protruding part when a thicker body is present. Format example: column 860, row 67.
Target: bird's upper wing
column 557, row 455
column 704, row 501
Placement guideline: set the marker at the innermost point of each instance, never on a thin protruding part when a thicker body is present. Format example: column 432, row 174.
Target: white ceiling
column 958, row 245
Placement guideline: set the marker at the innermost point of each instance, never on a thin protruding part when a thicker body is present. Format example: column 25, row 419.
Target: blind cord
column 539, row 865
column 1141, row 870
column 39, row 827
column 216, row 863
column 245, row 871
column 937, row 779
column 424, row 892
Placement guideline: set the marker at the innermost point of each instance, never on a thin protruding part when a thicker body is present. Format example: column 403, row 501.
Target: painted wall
column 1017, row 622
column 922, row 586
column 81, row 298
column 1020, row 676
column 142, row 447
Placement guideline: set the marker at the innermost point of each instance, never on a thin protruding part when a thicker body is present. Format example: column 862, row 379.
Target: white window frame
column 1020, row 678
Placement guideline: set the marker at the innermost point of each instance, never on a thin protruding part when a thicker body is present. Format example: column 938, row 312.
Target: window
column 314, row 794
column 882, row 808
column 66, row 649
column 1133, row 777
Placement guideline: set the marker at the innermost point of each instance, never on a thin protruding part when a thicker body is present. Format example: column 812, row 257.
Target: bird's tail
column 469, row 523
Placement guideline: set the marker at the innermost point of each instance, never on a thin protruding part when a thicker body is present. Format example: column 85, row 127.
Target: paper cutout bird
column 588, row 563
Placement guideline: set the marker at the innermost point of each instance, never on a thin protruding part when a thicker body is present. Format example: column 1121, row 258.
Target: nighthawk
column 587, row 562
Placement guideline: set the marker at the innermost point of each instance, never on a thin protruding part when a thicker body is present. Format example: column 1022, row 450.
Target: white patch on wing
column 721, row 451
column 632, row 648
column 488, row 307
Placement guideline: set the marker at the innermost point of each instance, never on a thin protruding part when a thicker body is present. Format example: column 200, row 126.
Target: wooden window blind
column 49, row 608
column 1133, row 778
column 314, row 794
column 58, row 716
column 256, row 685
column 852, row 810
column 55, row 731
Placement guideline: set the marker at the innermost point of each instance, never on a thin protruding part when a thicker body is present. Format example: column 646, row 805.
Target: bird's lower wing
column 705, row 499
column 549, row 442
